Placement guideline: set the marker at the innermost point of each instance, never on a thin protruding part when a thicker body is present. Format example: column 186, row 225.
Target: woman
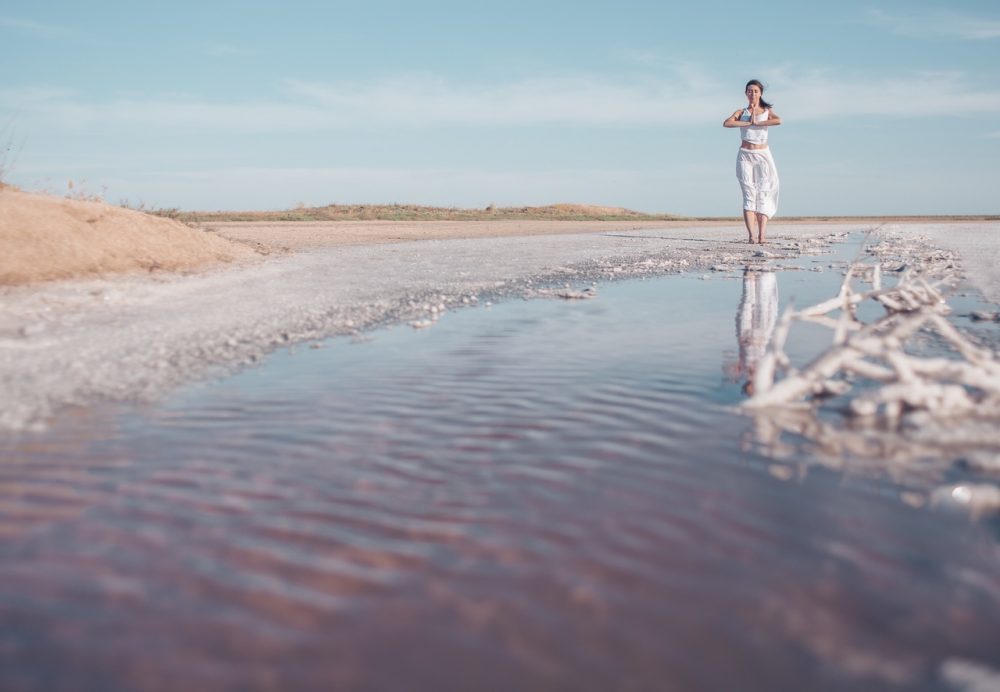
column 755, row 322
column 755, row 167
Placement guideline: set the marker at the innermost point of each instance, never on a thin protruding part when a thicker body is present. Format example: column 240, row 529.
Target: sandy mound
column 44, row 238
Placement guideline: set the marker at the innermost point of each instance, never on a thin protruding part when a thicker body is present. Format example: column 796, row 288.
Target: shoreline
column 299, row 235
column 48, row 238
column 137, row 336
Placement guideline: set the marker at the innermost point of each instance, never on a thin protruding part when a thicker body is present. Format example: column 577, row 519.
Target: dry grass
column 8, row 152
column 552, row 212
column 413, row 212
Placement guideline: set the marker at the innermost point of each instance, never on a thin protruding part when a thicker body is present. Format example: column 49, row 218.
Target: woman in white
column 755, row 321
column 755, row 167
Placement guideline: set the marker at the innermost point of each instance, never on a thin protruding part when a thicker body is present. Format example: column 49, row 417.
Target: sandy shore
column 45, row 238
column 977, row 243
column 978, row 248
column 303, row 235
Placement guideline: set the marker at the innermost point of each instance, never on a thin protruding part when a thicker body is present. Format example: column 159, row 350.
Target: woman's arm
column 734, row 120
column 774, row 120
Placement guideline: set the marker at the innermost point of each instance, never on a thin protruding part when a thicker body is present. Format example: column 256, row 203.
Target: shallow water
column 534, row 495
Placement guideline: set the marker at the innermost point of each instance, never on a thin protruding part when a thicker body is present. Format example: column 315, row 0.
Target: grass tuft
column 9, row 151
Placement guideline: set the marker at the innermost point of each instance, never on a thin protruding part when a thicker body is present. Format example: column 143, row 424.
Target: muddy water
column 534, row 495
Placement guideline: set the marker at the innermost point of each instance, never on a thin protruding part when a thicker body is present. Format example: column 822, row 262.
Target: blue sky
column 889, row 107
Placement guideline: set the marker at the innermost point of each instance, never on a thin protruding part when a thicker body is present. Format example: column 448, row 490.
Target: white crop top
column 755, row 134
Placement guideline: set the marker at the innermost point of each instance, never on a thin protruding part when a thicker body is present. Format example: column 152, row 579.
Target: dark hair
column 756, row 82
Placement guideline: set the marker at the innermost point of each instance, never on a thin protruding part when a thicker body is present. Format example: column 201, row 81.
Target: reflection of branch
column 900, row 407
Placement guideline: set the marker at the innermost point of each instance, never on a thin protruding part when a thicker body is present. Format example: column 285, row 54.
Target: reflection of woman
column 755, row 321
column 755, row 167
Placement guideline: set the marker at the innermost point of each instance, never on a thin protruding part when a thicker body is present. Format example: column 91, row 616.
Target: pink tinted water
column 541, row 496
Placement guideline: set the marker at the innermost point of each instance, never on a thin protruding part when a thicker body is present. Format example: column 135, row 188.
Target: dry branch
column 899, row 407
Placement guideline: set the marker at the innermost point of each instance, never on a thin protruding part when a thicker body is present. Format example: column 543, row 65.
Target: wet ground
column 542, row 494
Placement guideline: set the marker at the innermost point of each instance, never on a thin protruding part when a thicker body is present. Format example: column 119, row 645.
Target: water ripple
column 537, row 503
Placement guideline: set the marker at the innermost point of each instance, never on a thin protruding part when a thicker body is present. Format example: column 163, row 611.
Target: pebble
column 781, row 472
column 863, row 407
column 981, row 316
column 970, row 676
column 981, row 462
column 977, row 500
column 577, row 295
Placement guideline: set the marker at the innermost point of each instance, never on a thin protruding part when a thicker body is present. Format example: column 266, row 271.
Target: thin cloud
column 944, row 24
column 423, row 101
column 581, row 101
column 821, row 95
column 33, row 28
column 427, row 99
column 226, row 50
column 71, row 110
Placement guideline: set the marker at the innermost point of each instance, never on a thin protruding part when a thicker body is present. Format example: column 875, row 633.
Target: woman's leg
column 745, row 175
column 761, row 227
column 748, row 219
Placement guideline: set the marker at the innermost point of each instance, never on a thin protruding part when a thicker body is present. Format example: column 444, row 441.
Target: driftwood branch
column 876, row 352
column 901, row 409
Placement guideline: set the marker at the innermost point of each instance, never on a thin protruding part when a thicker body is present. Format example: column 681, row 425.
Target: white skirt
column 757, row 317
column 758, row 178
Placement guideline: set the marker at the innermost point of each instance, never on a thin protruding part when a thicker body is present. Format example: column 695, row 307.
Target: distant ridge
column 551, row 212
column 414, row 212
